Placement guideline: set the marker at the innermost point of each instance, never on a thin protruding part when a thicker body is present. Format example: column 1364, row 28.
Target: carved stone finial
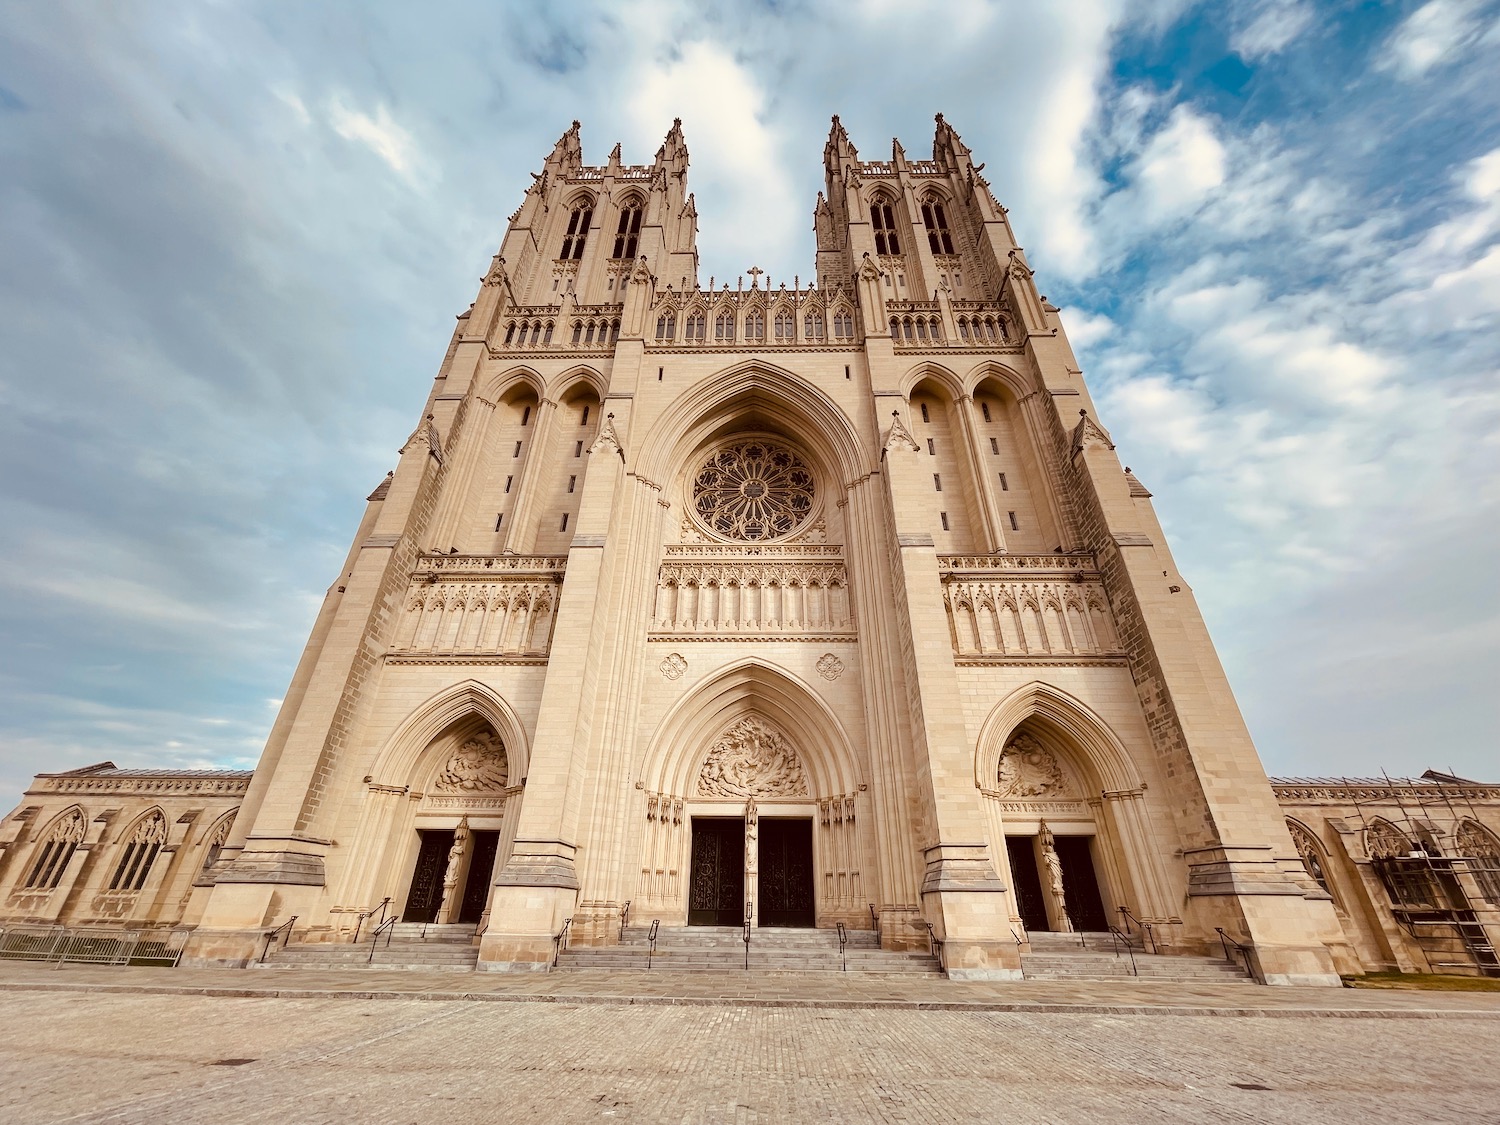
column 1089, row 432
column 607, row 438
column 899, row 437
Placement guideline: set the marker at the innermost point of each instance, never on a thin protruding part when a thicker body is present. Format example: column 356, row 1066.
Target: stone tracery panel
column 1011, row 618
column 509, row 617
column 751, row 491
column 752, row 596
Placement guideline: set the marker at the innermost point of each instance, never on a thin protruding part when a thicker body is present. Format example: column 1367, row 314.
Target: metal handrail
column 935, row 945
column 560, row 941
column 875, row 922
column 1121, row 939
column 624, row 918
column 1146, row 929
column 385, row 928
column 363, row 914
column 749, row 913
column 651, row 937
column 843, row 954
column 271, row 936
column 1243, row 950
column 1021, row 939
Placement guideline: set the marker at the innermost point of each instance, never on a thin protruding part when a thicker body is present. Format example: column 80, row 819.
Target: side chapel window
column 62, row 841
column 145, row 841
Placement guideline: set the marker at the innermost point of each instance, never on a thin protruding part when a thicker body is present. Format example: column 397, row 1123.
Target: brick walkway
column 152, row 1057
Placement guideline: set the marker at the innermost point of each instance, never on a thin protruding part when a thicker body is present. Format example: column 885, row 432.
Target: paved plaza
column 91, row 1044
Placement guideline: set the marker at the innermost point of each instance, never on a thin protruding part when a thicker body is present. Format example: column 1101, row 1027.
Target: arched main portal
column 444, row 798
column 752, row 802
column 1067, row 809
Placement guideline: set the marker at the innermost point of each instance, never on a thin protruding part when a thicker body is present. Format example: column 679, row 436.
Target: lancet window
column 786, row 327
column 62, row 841
column 578, row 231
column 843, row 325
column 141, row 848
column 755, row 326
column 1311, row 853
column 695, row 327
column 1482, row 850
column 666, row 327
column 936, row 223
column 883, row 219
column 627, row 236
column 724, row 327
column 812, row 326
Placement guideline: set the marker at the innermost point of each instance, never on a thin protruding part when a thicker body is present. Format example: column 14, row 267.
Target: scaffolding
column 1428, row 891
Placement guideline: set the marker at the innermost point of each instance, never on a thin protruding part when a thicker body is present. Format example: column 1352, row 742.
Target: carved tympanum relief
column 752, row 759
column 1028, row 769
column 478, row 765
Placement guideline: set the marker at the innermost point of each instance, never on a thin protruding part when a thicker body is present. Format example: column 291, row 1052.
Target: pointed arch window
column 578, row 232
column 628, row 234
column 695, row 327
column 843, row 325
column 216, row 841
column 812, row 326
column 786, row 327
column 883, row 219
column 666, row 327
column 141, row 848
column 755, row 326
column 62, row 841
column 1311, row 853
column 1480, row 847
column 936, row 222
column 724, row 327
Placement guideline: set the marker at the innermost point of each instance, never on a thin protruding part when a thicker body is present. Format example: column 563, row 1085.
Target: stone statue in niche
column 751, row 759
column 752, row 836
column 1053, row 864
column 479, row 764
column 1028, row 769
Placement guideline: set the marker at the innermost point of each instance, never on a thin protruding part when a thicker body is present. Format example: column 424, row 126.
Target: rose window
column 753, row 490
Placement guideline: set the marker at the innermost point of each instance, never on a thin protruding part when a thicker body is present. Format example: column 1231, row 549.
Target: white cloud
column 738, row 169
column 380, row 134
column 1273, row 26
column 1432, row 35
column 1180, row 166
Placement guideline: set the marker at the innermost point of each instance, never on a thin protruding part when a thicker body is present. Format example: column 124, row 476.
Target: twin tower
column 795, row 604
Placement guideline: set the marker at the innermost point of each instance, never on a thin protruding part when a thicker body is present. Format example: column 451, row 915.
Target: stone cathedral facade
column 812, row 603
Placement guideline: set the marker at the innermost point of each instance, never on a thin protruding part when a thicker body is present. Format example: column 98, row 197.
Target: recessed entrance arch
column 1066, row 806
column 753, row 802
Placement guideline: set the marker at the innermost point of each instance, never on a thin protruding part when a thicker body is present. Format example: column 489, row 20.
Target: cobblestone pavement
column 150, row 1057
column 756, row 989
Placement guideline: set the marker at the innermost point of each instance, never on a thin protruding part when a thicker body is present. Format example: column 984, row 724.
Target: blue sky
column 235, row 236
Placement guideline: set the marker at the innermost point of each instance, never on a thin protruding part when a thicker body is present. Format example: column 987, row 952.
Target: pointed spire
column 839, row 150
column 568, row 152
column 613, row 166
column 947, row 147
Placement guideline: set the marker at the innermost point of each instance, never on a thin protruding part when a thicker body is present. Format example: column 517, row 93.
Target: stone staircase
column 411, row 945
column 721, row 949
column 1100, row 957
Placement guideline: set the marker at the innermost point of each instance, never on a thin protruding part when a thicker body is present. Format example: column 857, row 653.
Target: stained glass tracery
column 752, row 491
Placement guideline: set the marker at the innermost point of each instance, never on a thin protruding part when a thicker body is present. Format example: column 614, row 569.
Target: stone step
column 1147, row 966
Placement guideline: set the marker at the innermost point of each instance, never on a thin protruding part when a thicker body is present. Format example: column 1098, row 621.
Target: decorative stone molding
column 506, row 616
column 830, row 667
column 752, row 759
column 673, row 665
column 898, row 436
column 752, row 596
column 1028, row 618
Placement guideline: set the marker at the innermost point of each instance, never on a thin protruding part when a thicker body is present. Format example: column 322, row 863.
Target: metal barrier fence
column 95, row 945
